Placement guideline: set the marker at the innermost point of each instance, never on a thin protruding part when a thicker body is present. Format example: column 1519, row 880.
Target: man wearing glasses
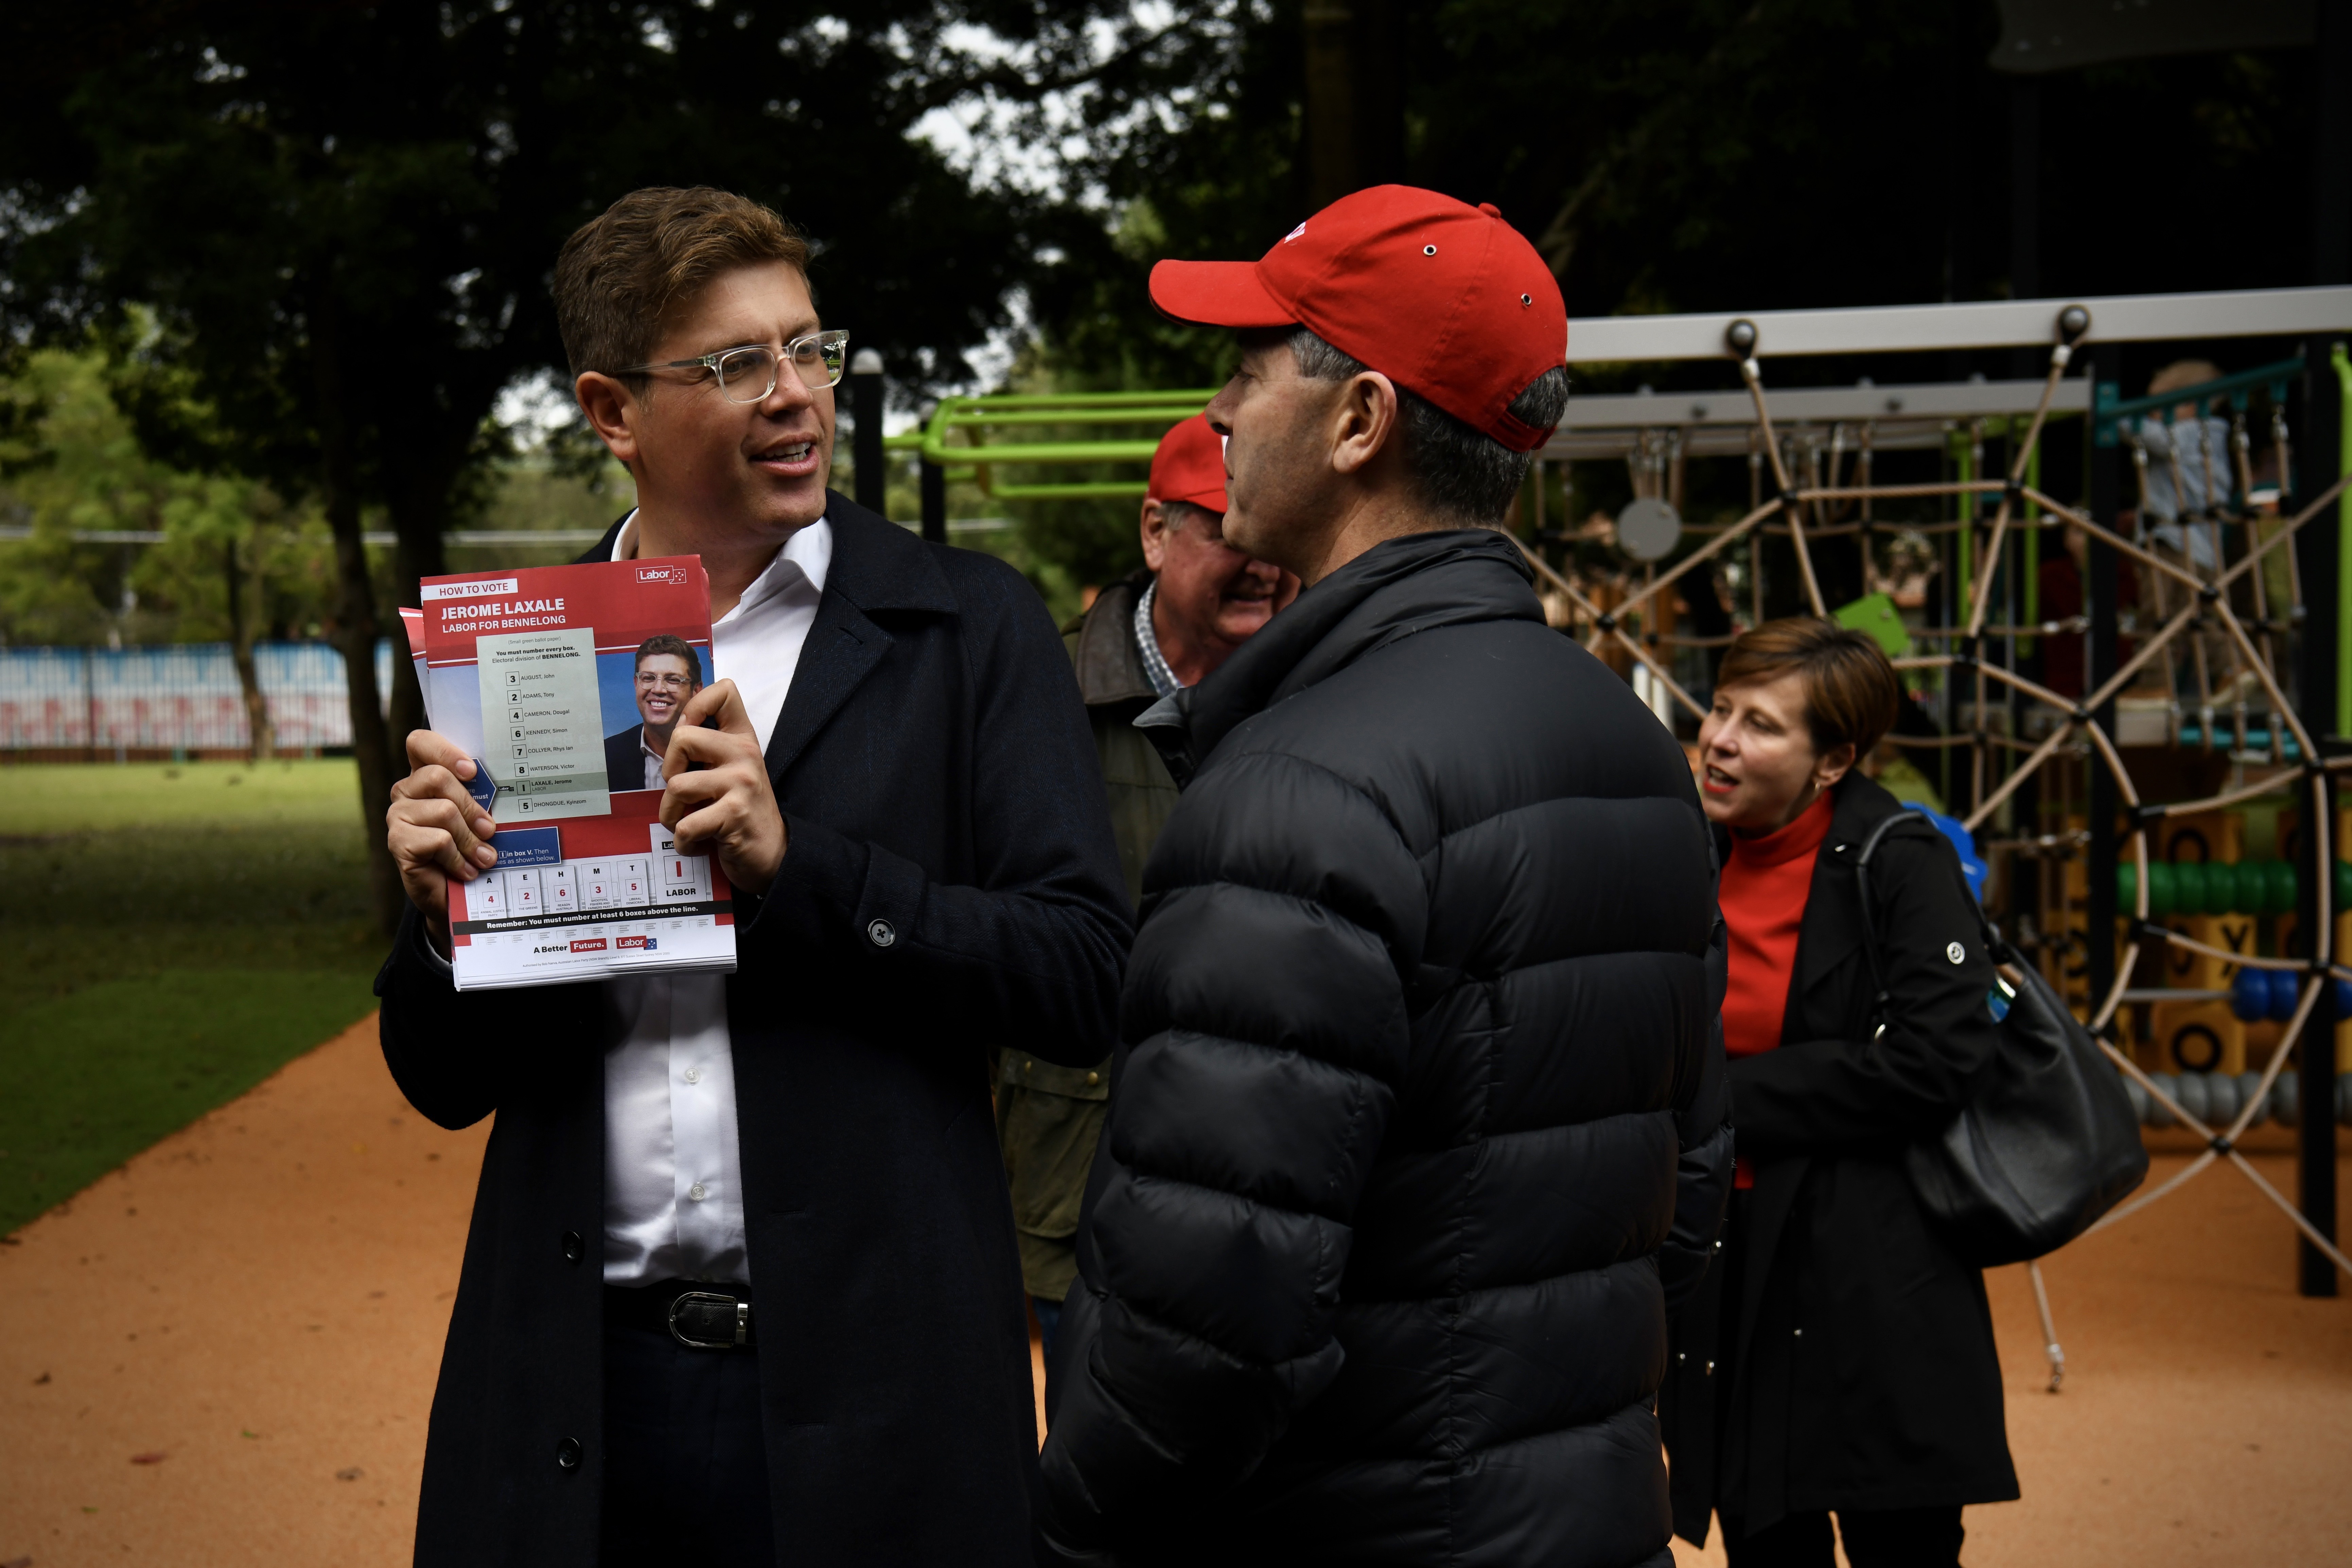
column 667, row 676
column 742, row 1282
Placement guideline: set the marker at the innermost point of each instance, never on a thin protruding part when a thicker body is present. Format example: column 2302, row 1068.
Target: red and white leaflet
column 552, row 678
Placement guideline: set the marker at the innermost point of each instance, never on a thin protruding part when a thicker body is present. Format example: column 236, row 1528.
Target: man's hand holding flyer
column 563, row 686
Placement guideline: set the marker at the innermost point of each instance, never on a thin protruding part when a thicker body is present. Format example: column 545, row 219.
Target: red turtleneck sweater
column 1766, row 882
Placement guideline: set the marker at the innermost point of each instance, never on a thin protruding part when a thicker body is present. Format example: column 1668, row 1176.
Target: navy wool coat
column 951, row 886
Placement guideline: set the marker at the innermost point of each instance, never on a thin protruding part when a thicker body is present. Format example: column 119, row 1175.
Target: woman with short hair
column 1838, row 1358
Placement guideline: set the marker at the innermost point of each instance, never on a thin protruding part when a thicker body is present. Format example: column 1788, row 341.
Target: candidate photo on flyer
column 643, row 692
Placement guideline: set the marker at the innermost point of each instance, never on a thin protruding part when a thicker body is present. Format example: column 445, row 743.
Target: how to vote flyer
column 562, row 683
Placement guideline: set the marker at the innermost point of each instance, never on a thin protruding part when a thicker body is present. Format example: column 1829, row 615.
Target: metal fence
column 181, row 697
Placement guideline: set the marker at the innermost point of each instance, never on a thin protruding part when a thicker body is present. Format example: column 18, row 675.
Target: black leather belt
column 695, row 1313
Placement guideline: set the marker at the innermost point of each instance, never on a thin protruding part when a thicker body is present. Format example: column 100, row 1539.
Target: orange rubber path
column 260, row 1300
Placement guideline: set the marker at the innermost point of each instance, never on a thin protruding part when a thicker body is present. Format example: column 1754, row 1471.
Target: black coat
column 1864, row 1346
column 624, row 756
column 950, row 886
column 1416, row 1122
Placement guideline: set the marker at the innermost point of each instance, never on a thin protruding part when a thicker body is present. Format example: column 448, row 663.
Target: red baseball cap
column 1190, row 465
column 1446, row 300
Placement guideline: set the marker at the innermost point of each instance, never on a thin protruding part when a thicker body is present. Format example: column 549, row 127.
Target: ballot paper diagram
column 541, row 704
column 603, row 902
column 559, row 682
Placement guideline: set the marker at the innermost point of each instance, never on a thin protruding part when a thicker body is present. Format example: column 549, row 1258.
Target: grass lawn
column 176, row 934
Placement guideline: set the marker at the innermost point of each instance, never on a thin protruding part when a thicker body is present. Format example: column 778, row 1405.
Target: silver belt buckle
column 741, row 1314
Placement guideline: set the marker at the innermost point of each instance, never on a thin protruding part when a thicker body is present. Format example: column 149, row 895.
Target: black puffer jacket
column 1417, row 1122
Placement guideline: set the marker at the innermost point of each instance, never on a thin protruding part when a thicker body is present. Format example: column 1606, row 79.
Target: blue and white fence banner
column 180, row 695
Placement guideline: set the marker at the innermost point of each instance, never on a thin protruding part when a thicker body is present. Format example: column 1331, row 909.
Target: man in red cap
column 1163, row 630
column 1417, row 1120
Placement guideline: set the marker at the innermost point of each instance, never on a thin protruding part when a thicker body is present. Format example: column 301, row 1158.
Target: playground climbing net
column 2193, row 593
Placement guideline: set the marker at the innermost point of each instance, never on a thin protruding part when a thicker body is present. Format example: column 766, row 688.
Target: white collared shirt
column 673, row 1159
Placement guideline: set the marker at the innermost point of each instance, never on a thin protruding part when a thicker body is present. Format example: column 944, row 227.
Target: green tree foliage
column 343, row 217
column 1686, row 155
column 1699, row 154
column 76, row 467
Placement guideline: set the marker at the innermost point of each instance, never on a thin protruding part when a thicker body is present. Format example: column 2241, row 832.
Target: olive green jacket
column 1048, row 1117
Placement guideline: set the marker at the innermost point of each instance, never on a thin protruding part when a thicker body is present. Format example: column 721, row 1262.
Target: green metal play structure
column 992, row 431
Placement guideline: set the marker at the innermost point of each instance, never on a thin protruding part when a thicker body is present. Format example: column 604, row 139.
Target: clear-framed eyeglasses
column 747, row 374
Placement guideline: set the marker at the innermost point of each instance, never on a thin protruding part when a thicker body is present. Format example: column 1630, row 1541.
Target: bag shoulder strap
column 1869, row 926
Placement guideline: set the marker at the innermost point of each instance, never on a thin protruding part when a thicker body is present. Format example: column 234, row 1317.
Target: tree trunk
column 355, row 628
column 261, row 735
column 419, row 500
column 1330, row 102
column 1354, row 129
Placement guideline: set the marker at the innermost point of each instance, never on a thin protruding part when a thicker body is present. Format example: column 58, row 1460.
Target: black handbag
column 2048, row 1141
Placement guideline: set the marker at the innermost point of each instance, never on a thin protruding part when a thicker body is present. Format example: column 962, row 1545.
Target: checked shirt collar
column 1147, row 642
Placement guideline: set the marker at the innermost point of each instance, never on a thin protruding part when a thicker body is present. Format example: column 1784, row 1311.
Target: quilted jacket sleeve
column 1265, row 1032
column 1703, row 1130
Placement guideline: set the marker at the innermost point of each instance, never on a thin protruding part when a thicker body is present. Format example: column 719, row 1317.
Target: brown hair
column 1850, row 692
column 2182, row 372
column 669, row 645
column 649, row 252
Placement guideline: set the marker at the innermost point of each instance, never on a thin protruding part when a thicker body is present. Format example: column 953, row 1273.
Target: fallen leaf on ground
column 352, row 1474
column 155, row 1456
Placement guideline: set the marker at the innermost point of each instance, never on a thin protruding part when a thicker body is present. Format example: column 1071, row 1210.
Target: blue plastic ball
column 2250, row 995
column 2286, row 990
